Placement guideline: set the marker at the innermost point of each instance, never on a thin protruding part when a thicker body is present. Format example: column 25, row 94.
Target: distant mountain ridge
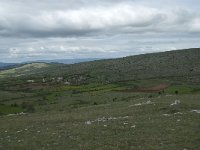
column 66, row 61
column 4, row 66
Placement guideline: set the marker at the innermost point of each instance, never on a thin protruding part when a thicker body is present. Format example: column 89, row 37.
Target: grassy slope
column 121, row 125
column 184, row 63
column 174, row 63
column 26, row 69
column 101, row 116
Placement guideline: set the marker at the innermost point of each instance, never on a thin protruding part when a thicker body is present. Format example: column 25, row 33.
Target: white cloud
column 56, row 22
column 92, row 28
column 195, row 25
column 82, row 21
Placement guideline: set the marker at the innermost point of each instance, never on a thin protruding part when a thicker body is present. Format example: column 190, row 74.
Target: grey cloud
column 44, row 20
column 91, row 28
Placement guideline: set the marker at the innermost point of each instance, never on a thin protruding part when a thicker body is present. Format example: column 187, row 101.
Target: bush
column 14, row 105
column 28, row 107
column 150, row 96
column 75, row 92
column 176, row 92
column 114, row 99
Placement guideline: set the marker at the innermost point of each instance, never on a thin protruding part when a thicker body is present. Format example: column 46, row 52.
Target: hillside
column 50, row 106
column 165, row 64
column 67, row 61
column 25, row 69
column 184, row 63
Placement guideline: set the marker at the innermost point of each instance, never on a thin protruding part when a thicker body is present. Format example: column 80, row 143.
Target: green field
column 102, row 117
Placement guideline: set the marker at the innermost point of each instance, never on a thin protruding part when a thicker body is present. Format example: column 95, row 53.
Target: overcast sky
column 64, row 29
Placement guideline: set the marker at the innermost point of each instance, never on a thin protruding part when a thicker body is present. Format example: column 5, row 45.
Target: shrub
column 150, row 96
column 28, row 107
column 176, row 92
column 114, row 99
column 14, row 105
column 75, row 92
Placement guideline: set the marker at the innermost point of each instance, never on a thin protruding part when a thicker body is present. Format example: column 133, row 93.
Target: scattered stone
column 166, row 115
column 144, row 103
column 19, row 131
column 21, row 113
column 196, row 111
column 133, row 126
column 139, row 104
column 88, row 122
column 178, row 113
column 104, row 119
column 176, row 102
column 30, row 81
column 173, row 129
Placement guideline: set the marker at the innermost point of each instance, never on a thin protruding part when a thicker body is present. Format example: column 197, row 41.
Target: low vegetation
column 89, row 106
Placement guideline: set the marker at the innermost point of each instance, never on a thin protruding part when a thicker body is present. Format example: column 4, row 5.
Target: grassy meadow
column 100, row 116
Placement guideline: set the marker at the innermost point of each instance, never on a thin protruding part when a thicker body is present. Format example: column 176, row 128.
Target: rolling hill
column 23, row 70
column 155, row 65
column 66, row 61
column 179, row 63
column 157, row 103
column 6, row 65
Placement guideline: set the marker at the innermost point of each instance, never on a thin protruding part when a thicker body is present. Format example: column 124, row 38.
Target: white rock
column 176, row 102
column 196, row 111
column 133, row 126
